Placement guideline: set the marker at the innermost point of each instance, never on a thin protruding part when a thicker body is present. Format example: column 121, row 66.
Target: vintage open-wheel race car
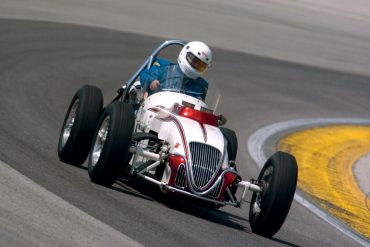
column 174, row 140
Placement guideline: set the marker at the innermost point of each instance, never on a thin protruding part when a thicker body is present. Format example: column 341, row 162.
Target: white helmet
column 194, row 59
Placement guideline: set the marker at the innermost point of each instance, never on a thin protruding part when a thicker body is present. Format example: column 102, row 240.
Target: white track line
column 32, row 215
column 257, row 148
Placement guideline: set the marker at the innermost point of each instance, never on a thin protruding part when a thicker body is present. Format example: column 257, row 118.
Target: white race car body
column 162, row 114
column 193, row 135
column 171, row 137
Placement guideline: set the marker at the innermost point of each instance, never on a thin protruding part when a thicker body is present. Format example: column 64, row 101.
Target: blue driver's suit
column 161, row 70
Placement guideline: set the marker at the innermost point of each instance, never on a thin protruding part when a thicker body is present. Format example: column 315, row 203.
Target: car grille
column 206, row 161
column 216, row 191
column 181, row 177
column 181, row 182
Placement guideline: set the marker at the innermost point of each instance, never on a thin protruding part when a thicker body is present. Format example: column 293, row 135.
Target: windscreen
column 172, row 79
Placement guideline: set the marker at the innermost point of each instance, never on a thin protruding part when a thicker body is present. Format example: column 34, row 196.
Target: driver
column 193, row 61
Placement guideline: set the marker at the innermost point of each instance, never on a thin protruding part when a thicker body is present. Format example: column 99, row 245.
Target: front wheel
column 269, row 208
column 110, row 149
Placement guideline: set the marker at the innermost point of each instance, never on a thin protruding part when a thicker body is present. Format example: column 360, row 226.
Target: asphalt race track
column 42, row 65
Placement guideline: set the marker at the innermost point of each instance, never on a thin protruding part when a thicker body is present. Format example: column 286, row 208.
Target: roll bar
column 146, row 65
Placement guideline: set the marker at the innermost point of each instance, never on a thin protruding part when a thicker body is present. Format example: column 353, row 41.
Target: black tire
column 232, row 142
column 75, row 141
column 280, row 179
column 232, row 150
column 118, row 118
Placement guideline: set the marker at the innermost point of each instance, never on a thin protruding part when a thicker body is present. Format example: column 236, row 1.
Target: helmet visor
column 196, row 63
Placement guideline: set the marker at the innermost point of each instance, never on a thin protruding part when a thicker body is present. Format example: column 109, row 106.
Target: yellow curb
column 325, row 158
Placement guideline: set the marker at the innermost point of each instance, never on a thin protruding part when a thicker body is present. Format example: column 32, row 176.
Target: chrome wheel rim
column 266, row 178
column 101, row 137
column 69, row 123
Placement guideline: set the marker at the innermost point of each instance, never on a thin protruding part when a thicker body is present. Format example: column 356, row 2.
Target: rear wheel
column 232, row 150
column 79, row 125
column 110, row 150
column 269, row 208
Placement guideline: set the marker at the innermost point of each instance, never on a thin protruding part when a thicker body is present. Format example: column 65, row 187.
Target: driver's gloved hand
column 135, row 86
